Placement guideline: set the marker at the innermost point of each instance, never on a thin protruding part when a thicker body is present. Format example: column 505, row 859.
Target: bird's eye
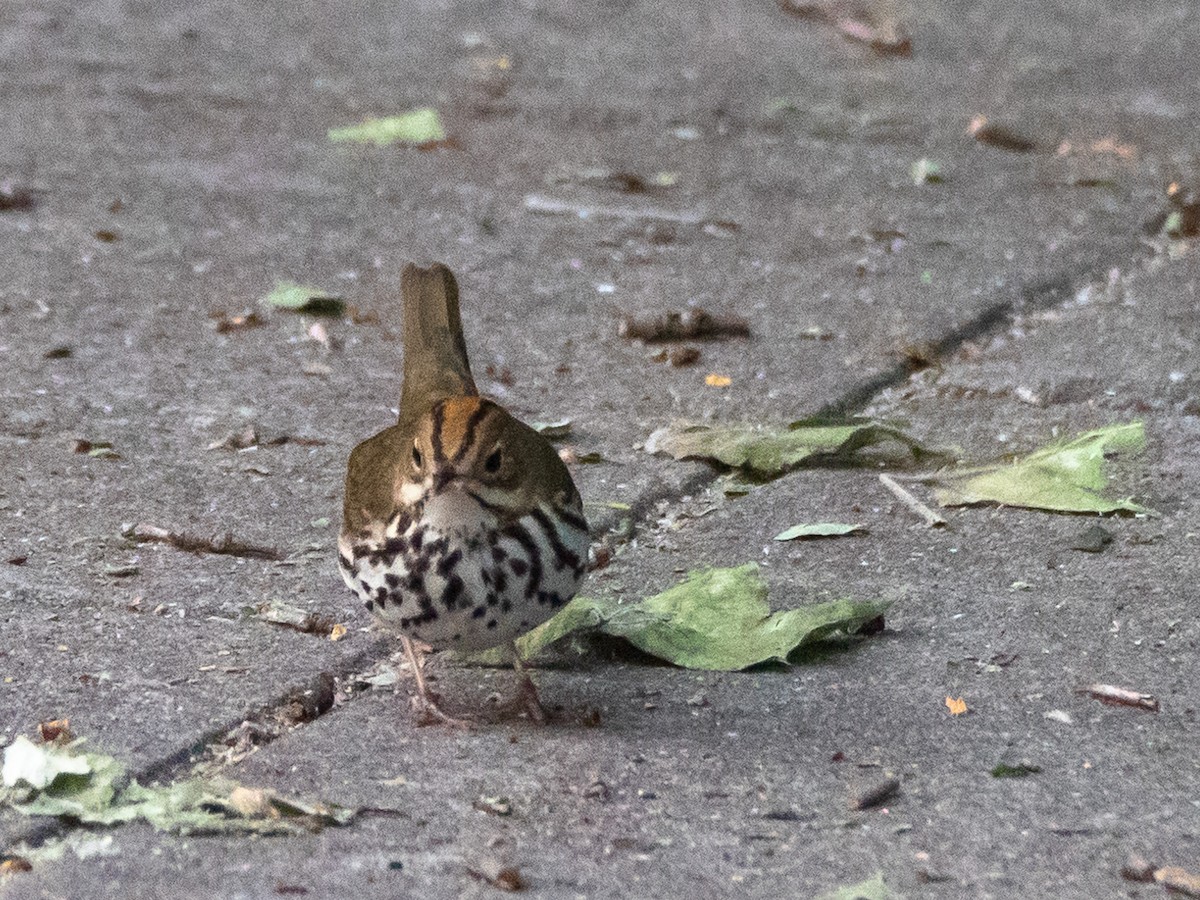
column 416, row 457
column 492, row 463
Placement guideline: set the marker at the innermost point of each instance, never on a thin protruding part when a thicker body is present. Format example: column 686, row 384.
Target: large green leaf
column 1067, row 476
column 770, row 451
column 718, row 619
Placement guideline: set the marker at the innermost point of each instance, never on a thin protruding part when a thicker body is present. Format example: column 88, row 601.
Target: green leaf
column 304, row 298
column 874, row 888
column 1066, row 476
column 926, row 171
column 773, row 451
column 819, row 530
column 417, row 126
column 39, row 765
column 51, row 780
column 717, row 620
column 581, row 614
column 64, row 780
column 553, row 430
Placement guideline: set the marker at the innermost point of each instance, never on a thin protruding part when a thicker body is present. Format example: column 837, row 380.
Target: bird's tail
column 435, row 353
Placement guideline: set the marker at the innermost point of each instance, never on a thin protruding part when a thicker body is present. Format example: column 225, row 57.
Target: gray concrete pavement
column 197, row 138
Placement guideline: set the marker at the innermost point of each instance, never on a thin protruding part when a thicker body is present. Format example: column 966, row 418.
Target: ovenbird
column 461, row 527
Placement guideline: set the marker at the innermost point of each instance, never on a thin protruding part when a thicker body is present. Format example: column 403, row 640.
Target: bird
column 461, row 525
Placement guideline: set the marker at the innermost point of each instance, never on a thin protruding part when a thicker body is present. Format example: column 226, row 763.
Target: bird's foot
column 428, row 712
column 530, row 700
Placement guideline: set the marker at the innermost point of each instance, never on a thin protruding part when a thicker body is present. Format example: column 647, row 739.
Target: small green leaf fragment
column 874, row 888
column 417, row 126
column 926, row 171
column 304, row 298
column 819, row 530
column 553, row 430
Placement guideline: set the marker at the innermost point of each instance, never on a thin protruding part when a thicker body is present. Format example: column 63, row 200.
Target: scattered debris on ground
column 688, row 325
column 277, row 612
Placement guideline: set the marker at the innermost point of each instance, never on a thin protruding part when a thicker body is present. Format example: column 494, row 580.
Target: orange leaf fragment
column 956, row 707
column 714, row 380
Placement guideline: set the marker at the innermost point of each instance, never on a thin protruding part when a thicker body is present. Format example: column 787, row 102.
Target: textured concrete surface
column 179, row 166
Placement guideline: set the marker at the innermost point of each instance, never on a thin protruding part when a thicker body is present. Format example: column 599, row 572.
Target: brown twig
column 1118, row 696
column 551, row 206
column 1002, row 136
column 691, row 324
column 224, row 544
column 885, row 37
column 932, row 519
column 1178, row 880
